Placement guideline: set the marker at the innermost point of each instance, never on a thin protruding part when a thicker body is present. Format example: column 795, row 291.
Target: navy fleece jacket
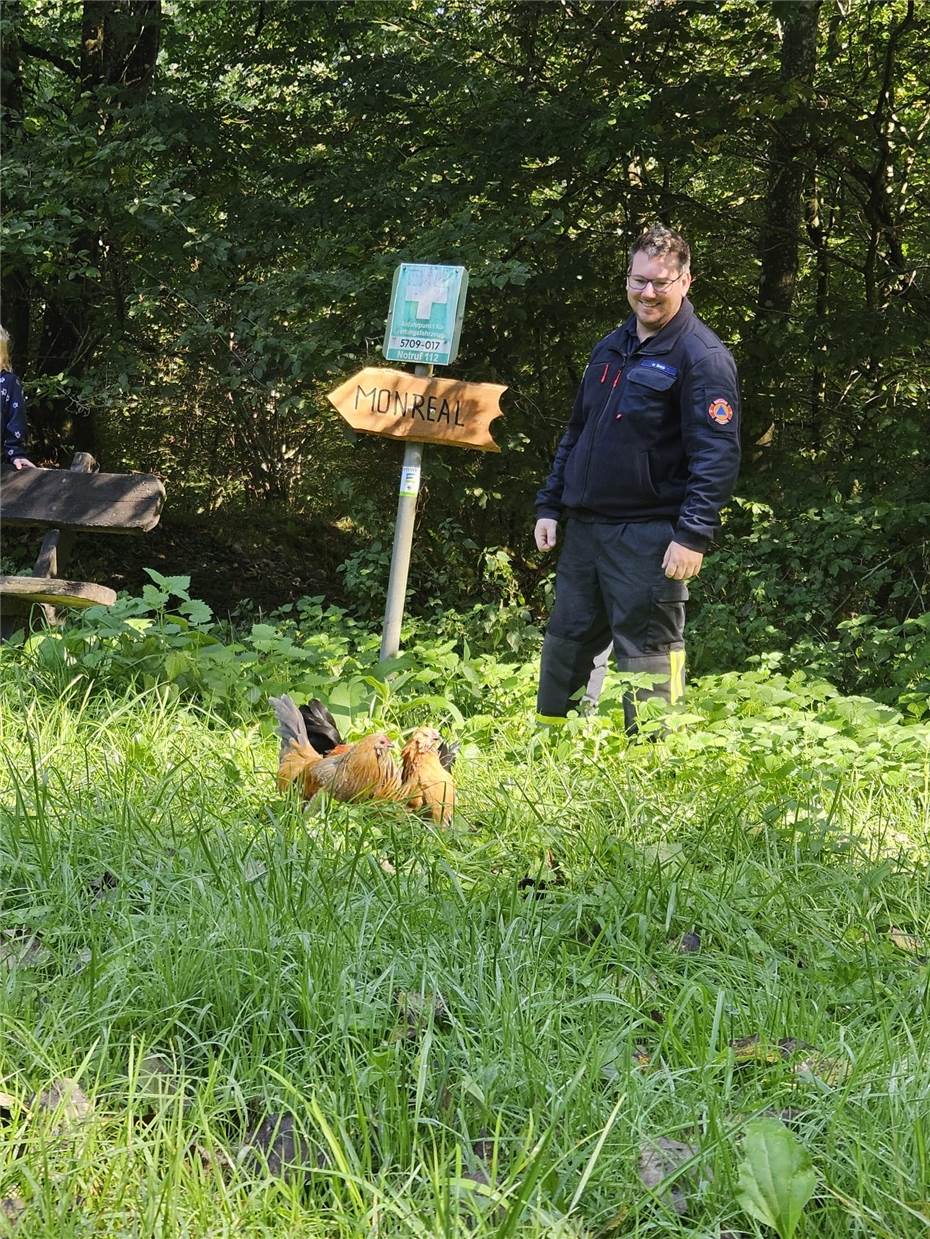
column 654, row 432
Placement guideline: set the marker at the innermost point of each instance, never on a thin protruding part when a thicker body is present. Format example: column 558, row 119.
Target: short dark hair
column 658, row 241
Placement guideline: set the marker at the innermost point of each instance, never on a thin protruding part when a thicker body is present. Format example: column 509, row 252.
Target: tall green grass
column 473, row 1031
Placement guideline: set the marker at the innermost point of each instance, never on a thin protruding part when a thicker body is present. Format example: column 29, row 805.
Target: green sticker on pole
column 425, row 319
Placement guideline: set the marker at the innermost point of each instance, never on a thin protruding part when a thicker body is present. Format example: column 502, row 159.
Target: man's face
column 654, row 307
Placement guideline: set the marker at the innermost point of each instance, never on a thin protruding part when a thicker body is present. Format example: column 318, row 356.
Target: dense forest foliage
column 205, row 203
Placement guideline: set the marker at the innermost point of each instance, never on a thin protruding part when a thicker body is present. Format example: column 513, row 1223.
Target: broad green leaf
column 196, row 611
column 176, row 663
column 381, row 690
column 438, row 703
column 177, row 585
column 776, row 1178
column 154, row 598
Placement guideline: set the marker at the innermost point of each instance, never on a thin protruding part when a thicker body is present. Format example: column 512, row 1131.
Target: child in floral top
column 12, row 411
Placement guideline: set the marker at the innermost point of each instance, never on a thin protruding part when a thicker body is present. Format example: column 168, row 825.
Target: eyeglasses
column 638, row 283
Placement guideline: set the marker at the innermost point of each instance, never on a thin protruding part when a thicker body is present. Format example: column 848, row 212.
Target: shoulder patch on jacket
column 720, row 411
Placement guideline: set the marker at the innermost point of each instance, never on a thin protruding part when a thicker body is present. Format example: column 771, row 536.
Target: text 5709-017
column 426, row 345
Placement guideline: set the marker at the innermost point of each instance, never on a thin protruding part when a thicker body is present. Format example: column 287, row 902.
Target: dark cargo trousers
column 610, row 589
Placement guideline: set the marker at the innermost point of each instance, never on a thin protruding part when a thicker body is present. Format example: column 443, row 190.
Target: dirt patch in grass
column 228, row 558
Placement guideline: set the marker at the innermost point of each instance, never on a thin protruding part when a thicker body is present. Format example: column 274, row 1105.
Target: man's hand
column 680, row 564
column 22, row 462
column 546, row 533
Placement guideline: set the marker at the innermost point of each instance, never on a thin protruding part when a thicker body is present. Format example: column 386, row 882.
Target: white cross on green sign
column 425, row 319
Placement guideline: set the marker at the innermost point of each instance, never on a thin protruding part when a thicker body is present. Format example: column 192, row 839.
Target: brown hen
column 365, row 770
column 425, row 782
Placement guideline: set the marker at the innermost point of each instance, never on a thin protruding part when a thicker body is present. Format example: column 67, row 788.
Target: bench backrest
column 63, row 499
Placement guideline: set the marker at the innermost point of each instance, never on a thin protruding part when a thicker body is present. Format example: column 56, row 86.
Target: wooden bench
column 64, row 502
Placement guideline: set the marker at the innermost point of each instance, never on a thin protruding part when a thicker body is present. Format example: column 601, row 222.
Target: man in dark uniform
column 648, row 459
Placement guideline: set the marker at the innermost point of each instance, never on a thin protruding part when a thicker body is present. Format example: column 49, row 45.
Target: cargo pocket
column 646, row 400
column 657, row 380
column 667, row 616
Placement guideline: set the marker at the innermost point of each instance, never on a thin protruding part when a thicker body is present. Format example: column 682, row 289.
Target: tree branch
column 41, row 53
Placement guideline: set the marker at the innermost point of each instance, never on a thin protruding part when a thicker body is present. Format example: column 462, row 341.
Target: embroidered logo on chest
column 661, row 366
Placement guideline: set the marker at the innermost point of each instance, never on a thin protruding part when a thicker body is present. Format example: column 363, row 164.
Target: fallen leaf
column 386, row 867
column 641, row 1057
column 83, row 958
column 909, row 943
column 103, row 886
column 8, row 1104
column 538, row 886
column 416, row 1008
column 829, row 1070
column 215, row 1160
column 21, row 948
column 12, row 1208
column 552, row 863
column 275, row 1144
column 663, row 853
column 613, row 1224
column 756, row 1050
column 253, row 870
column 66, row 1100
column 156, row 1081
column 662, row 1159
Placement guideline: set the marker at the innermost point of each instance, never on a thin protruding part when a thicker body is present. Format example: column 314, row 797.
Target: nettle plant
column 477, row 671
column 168, row 640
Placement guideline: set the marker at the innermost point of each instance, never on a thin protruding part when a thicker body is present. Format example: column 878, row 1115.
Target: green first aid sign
column 425, row 319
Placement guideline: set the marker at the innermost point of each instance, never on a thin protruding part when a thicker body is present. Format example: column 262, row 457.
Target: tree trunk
column 784, row 214
column 119, row 44
column 884, row 225
column 119, row 48
column 14, row 284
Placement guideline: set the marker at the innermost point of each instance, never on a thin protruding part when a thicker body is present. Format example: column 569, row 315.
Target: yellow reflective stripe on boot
column 551, row 720
column 676, row 688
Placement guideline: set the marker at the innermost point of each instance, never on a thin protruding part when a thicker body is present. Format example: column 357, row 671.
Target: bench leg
column 32, row 619
column 15, row 615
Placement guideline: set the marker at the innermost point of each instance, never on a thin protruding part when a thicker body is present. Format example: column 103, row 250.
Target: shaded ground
column 228, row 561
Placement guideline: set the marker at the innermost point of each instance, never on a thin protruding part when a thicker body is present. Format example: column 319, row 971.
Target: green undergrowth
column 496, row 1029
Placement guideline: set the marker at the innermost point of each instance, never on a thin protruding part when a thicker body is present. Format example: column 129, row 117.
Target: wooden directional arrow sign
column 423, row 410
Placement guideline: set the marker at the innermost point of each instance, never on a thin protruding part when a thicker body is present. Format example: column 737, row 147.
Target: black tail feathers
column 448, row 754
column 322, row 731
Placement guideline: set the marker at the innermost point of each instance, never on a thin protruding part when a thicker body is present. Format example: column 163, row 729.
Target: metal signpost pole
column 403, row 541
column 423, row 325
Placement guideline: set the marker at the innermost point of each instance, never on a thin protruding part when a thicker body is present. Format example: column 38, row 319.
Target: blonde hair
column 5, row 343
